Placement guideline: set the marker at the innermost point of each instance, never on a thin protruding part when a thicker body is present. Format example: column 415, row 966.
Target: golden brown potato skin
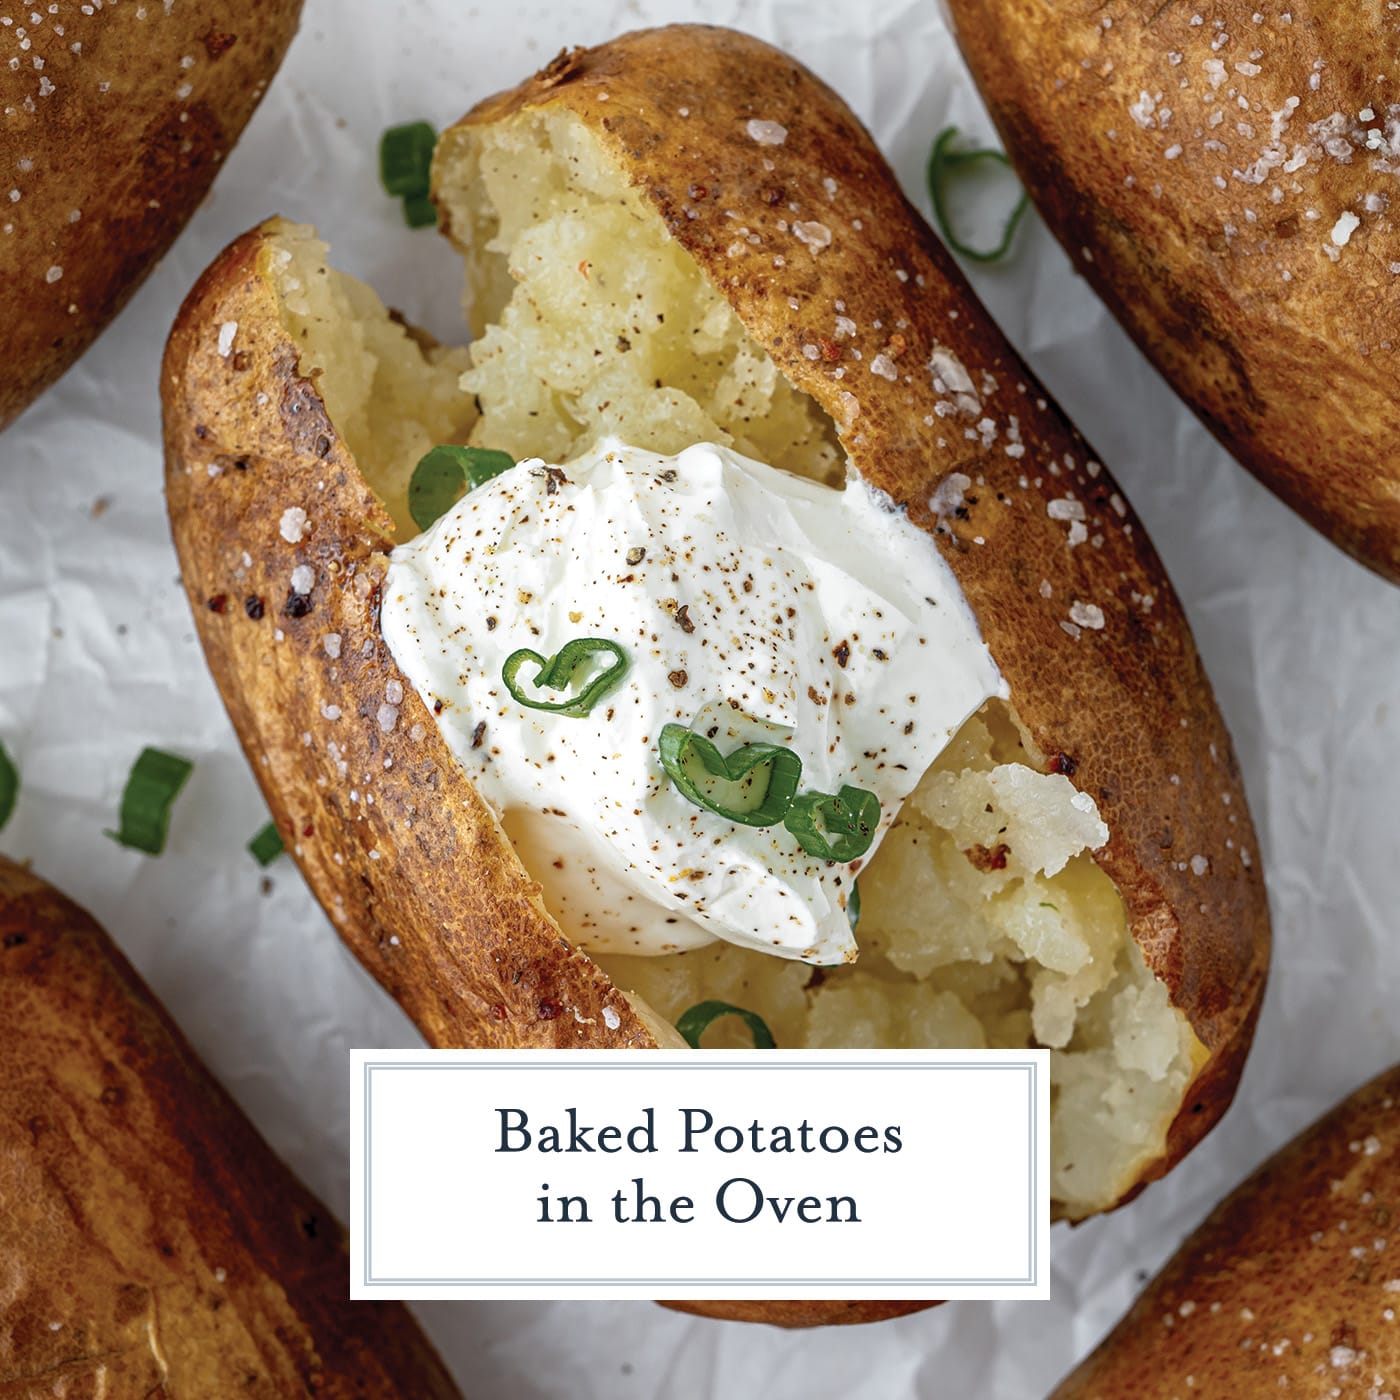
column 112, row 126
column 152, row 1244
column 793, row 1312
column 1289, row 1288
column 1288, row 356
column 444, row 915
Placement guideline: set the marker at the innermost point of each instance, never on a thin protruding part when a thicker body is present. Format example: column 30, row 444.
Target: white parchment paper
column 98, row 657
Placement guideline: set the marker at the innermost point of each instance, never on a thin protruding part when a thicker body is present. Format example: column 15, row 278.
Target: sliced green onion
column 267, row 845
column 853, row 905
column 9, row 786
column 419, row 211
column 694, row 1023
column 839, row 827
column 943, row 161
column 755, row 784
column 155, row 781
column 406, row 158
column 1045, row 904
column 557, row 673
column 442, row 472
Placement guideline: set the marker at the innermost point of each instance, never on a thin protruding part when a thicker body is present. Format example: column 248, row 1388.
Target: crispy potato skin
column 152, row 1242
column 793, row 1312
column 1295, row 377
column 1286, row 1288
column 127, row 132
column 1124, row 709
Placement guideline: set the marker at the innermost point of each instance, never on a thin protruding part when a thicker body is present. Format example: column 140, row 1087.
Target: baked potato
column 116, row 117
column 678, row 238
column 1221, row 175
column 1288, row 1287
column 153, row 1244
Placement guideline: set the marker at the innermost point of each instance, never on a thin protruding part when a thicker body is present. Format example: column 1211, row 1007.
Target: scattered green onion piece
column 419, row 211
column 694, row 1023
column 942, row 162
column 558, row 671
column 9, row 786
column 1045, row 904
column 853, row 905
column 406, row 158
column 155, row 781
column 752, row 805
column 839, row 827
column 441, row 473
column 267, row 845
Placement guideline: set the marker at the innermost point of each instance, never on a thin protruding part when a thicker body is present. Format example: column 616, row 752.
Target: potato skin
column 152, row 1242
column 445, row 916
column 1289, row 357
column 121, row 117
column 1289, row 1287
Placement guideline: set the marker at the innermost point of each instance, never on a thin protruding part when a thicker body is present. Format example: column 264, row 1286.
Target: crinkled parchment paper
column 98, row 657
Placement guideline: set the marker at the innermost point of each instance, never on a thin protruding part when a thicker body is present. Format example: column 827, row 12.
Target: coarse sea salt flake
column 293, row 524
column 227, row 331
column 766, row 133
column 303, row 579
column 1087, row 615
column 1343, row 229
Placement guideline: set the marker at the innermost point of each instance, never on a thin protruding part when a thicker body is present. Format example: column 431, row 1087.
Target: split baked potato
column 690, row 187
column 1223, row 177
column 115, row 120
column 152, row 1242
column 1290, row 1287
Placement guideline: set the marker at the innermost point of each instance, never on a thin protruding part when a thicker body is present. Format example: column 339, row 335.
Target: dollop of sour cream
column 752, row 605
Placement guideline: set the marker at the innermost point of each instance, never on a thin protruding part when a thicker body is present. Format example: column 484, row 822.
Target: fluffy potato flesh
column 985, row 920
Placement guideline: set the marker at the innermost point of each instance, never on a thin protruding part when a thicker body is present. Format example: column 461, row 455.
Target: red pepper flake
column 583, row 266
column 498, row 1012
column 254, row 607
column 831, row 352
column 309, row 829
column 699, row 192
column 1063, row 763
column 988, row 860
column 683, row 619
column 548, row 1009
column 478, row 734
column 217, row 603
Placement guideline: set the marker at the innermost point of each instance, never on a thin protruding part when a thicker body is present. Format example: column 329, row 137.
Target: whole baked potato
column 683, row 240
column 152, row 1242
column 1223, row 176
column 1290, row 1287
column 115, row 120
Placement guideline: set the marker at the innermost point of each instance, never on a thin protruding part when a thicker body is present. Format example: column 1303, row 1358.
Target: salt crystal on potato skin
column 450, row 921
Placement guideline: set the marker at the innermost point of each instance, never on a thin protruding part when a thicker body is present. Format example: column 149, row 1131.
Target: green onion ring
column 941, row 162
column 9, row 786
column 694, row 1023
column 677, row 744
column 267, row 845
column 441, row 472
column 853, row 905
column 151, row 788
column 558, row 671
column 839, row 827
column 406, row 158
